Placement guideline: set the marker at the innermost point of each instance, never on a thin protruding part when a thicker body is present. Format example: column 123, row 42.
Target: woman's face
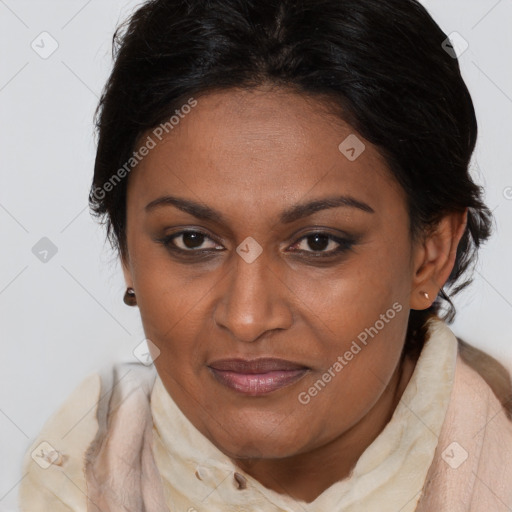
column 281, row 313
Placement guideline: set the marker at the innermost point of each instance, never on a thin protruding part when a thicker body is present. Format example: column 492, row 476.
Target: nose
column 254, row 300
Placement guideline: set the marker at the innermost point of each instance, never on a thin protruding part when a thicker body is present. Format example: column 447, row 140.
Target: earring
column 129, row 297
column 426, row 295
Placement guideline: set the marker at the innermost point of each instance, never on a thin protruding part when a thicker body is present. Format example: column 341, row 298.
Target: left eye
column 321, row 243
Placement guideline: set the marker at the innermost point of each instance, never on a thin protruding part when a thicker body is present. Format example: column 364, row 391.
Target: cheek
column 352, row 296
column 361, row 355
column 167, row 293
column 359, row 316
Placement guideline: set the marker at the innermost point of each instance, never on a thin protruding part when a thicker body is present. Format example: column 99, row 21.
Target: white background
column 63, row 319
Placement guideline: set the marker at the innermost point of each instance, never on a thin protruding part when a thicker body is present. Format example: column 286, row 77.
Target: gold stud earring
column 129, row 297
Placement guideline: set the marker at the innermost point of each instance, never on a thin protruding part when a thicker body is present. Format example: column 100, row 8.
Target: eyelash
column 345, row 244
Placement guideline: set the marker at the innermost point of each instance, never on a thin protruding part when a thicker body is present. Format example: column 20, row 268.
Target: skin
column 250, row 155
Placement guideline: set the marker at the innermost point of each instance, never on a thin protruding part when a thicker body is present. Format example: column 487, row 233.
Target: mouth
column 258, row 376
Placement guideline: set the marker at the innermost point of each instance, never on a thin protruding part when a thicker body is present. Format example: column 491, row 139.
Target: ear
column 434, row 258
column 126, row 267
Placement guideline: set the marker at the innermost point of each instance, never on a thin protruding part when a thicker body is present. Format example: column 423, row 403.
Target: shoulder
column 481, row 400
column 495, row 375
column 473, row 460
column 53, row 468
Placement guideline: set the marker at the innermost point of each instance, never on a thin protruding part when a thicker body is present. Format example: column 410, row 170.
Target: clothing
column 122, row 441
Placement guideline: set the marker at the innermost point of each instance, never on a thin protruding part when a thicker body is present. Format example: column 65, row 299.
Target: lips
column 257, row 376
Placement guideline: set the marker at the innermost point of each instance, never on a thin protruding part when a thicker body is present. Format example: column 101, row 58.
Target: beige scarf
column 120, row 443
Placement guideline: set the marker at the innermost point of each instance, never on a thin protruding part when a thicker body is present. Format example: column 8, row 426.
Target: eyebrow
column 288, row 216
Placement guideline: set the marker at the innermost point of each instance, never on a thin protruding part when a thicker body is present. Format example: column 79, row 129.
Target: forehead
column 265, row 147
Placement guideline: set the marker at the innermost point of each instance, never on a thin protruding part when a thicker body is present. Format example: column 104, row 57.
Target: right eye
column 190, row 241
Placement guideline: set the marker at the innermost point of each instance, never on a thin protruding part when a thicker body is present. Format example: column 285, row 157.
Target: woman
column 287, row 186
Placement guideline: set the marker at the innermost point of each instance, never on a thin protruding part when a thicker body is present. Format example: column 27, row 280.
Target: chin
column 249, row 443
